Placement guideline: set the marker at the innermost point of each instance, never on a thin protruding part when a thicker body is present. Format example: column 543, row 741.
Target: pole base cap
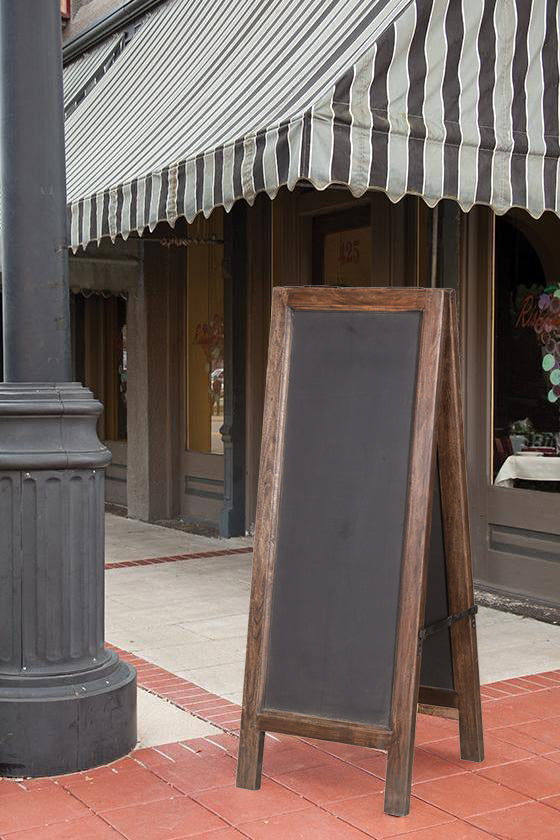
column 51, row 728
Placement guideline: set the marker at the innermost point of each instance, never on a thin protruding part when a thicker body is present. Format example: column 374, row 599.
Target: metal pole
column 66, row 703
column 34, row 255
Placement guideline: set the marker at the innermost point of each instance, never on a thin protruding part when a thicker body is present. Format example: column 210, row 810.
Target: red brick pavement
column 312, row 790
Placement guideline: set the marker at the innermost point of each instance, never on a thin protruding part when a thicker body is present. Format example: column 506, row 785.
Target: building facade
column 171, row 327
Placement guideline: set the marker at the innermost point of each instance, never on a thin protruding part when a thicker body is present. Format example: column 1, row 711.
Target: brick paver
column 311, row 789
column 174, row 558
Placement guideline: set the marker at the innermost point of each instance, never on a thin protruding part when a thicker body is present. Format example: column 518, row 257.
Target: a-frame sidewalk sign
column 362, row 608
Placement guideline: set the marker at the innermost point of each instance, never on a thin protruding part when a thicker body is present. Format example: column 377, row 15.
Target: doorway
column 100, row 362
column 341, row 248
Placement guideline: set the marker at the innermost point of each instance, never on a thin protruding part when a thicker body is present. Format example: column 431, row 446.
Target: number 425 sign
column 349, row 251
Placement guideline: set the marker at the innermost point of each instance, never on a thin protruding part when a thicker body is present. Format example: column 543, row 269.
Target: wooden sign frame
column 437, row 427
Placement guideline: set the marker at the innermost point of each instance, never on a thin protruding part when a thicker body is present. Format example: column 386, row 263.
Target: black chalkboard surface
column 342, row 514
column 362, row 602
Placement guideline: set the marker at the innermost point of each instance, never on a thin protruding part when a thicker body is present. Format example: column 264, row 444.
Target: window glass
column 526, row 416
column 205, row 341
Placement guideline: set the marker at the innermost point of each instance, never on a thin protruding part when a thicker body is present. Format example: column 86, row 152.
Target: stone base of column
column 53, row 725
column 66, row 702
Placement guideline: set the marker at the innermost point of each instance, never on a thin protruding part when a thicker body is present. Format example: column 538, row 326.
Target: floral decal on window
column 540, row 310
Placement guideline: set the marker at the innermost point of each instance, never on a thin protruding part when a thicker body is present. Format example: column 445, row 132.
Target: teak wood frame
column 437, row 424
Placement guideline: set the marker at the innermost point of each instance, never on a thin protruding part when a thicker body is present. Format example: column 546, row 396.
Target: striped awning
column 215, row 101
column 82, row 74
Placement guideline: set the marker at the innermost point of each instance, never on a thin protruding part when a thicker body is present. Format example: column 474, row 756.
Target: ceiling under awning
column 215, row 101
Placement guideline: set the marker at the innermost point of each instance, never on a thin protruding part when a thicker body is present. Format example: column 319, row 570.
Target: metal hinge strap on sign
column 438, row 626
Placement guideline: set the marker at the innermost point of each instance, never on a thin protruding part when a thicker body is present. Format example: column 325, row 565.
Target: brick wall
column 77, row 4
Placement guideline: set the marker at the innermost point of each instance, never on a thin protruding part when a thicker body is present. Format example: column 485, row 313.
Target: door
column 341, row 248
column 373, row 244
column 512, row 365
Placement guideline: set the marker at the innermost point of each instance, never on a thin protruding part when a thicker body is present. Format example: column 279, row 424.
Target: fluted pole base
column 66, row 702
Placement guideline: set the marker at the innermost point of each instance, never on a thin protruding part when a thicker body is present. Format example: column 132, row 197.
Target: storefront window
column 205, row 342
column 526, row 417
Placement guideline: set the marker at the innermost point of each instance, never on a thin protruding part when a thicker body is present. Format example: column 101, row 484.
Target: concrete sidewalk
column 135, row 617
column 128, row 540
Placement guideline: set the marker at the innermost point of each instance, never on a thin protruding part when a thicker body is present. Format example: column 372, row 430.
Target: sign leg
column 458, row 550
column 468, row 689
column 398, row 779
column 414, row 573
column 250, row 757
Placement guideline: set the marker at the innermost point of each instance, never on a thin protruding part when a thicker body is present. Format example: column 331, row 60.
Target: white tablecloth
column 528, row 468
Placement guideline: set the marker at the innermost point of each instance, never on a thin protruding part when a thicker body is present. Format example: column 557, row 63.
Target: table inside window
column 528, row 468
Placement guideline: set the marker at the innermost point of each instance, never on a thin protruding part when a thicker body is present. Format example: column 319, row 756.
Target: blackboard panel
column 437, row 664
column 348, row 426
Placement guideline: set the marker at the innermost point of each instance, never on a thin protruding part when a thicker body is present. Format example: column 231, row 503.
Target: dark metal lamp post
column 66, row 703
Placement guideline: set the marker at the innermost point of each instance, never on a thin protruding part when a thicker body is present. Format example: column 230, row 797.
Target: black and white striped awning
column 82, row 74
column 215, row 101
